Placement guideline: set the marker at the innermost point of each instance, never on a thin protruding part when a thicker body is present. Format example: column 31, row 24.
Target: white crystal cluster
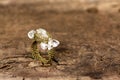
column 40, row 31
column 50, row 44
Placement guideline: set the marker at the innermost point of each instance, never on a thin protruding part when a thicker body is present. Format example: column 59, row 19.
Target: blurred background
column 88, row 30
column 67, row 4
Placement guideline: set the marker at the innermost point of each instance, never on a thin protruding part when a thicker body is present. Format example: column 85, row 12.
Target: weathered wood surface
column 90, row 42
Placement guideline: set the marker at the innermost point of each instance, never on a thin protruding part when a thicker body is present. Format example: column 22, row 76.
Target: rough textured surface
column 90, row 42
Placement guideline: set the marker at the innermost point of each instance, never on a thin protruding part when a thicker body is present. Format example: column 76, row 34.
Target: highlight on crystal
column 43, row 43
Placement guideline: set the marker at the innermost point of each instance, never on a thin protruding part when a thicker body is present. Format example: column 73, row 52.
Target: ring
column 43, row 45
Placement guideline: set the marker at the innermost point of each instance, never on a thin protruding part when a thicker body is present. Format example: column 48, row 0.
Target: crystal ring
column 43, row 45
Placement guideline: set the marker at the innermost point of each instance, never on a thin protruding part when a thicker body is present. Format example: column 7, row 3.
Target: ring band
column 36, row 54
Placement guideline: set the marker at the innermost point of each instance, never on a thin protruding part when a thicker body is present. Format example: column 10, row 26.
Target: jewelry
column 43, row 44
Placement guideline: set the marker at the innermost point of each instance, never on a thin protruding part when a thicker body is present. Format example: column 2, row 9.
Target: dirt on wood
column 89, row 49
